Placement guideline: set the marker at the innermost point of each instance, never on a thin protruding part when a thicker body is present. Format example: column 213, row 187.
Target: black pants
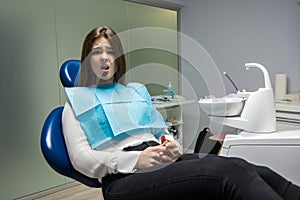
column 197, row 176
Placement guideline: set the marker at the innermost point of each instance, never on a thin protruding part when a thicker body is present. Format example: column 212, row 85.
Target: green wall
column 36, row 38
column 158, row 58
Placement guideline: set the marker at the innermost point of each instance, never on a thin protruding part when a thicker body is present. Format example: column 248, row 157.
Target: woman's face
column 102, row 59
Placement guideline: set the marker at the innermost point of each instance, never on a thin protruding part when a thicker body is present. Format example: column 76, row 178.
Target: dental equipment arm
column 263, row 69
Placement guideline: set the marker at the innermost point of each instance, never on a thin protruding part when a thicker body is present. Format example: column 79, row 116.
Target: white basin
column 222, row 107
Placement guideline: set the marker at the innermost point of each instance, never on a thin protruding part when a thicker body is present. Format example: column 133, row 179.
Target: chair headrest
column 68, row 72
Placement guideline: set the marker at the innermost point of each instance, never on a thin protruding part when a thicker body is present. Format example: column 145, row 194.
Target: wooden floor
column 76, row 192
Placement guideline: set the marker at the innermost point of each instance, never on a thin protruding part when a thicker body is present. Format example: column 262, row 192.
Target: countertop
column 287, row 106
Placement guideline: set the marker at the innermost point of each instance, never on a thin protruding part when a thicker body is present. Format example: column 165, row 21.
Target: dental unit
column 257, row 137
column 259, row 107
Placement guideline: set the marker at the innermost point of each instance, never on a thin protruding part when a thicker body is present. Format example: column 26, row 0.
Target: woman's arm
column 93, row 163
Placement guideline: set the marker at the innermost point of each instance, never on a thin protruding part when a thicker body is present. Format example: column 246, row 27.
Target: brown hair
column 87, row 77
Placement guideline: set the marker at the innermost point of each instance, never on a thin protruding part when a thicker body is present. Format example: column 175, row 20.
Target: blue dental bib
column 115, row 110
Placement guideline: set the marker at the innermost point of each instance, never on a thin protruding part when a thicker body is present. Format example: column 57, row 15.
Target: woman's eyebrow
column 109, row 48
column 102, row 47
column 95, row 48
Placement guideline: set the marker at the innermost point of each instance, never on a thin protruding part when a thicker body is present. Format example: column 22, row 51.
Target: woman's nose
column 104, row 57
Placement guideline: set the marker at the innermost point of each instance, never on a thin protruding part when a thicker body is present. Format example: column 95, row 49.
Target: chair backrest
column 68, row 72
column 52, row 140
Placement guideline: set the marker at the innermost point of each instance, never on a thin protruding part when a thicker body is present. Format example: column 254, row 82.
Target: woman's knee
column 239, row 161
column 236, row 166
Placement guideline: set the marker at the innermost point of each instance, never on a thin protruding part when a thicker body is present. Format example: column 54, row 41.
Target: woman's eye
column 96, row 52
column 111, row 52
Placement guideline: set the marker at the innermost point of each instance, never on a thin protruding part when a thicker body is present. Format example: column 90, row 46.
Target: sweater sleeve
column 93, row 163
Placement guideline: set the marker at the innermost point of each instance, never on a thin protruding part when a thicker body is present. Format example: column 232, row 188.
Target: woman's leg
column 284, row 188
column 210, row 177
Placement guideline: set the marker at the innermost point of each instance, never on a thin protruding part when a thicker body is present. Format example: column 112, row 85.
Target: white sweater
column 110, row 159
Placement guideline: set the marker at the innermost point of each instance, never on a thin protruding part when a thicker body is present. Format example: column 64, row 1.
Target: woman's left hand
column 168, row 151
column 155, row 155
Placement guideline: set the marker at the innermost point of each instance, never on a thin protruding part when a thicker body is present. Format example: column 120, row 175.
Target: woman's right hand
column 151, row 156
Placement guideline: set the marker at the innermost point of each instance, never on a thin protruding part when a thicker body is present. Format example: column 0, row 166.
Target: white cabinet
column 172, row 113
column 278, row 150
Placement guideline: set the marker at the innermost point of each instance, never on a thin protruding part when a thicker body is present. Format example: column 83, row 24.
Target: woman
column 149, row 164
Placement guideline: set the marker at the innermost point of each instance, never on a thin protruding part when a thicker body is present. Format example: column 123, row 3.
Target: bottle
column 170, row 91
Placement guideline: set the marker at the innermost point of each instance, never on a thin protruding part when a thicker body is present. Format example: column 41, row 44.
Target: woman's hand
column 164, row 153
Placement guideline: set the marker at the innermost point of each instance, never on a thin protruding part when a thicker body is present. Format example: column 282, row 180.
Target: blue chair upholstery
column 52, row 140
column 68, row 72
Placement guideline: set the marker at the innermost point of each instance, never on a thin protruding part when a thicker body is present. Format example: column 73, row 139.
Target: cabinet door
column 280, row 158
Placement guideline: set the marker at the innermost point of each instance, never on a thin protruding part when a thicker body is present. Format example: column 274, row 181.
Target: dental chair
column 52, row 140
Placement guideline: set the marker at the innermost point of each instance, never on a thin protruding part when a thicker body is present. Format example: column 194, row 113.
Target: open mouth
column 105, row 67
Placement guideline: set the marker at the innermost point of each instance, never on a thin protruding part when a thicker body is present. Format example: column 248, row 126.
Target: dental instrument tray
column 228, row 106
